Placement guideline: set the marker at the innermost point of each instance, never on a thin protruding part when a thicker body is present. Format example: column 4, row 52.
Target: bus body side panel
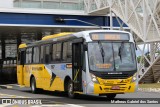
column 57, row 73
column 52, row 82
column 37, row 70
column 58, row 84
column 84, row 82
column 27, row 72
column 46, row 79
column 20, row 77
column 89, row 83
column 33, row 70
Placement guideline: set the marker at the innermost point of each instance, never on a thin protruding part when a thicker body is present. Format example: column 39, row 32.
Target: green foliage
column 138, row 59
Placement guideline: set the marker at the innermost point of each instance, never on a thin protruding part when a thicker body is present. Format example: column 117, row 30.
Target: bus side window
column 19, row 57
column 22, row 58
column 30, row 55
column 53, row 52
column 36, row 55
column 56, row 54
column 67, row 51
column 27, row 55
column 42, row 54
column 64, row 58
column 47, row 54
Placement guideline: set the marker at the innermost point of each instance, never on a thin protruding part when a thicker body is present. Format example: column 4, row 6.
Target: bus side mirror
column 136, row 47
column 85, row 47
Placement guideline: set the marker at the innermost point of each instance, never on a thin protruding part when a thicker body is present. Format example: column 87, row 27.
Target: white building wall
column 6, row 3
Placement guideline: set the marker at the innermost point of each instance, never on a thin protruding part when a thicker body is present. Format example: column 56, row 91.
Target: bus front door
column 20, row 67
column 77, row 52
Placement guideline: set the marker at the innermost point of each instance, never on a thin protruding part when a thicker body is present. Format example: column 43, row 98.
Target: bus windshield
column 111, row 56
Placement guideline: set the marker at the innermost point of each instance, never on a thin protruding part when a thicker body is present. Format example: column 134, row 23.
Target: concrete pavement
column 61, row 99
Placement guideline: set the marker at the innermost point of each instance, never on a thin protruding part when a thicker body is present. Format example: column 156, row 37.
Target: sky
column 138, row 52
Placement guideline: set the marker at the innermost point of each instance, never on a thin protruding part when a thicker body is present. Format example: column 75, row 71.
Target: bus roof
column 67, row 35
column 22, row 45
column 91, row 31
column 56, row 35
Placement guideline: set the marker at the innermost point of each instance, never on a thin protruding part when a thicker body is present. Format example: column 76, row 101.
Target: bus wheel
column 71, row 94
column 33, row 85
column 110, row 96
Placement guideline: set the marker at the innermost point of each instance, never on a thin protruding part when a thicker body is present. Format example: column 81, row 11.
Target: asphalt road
column 61, row 99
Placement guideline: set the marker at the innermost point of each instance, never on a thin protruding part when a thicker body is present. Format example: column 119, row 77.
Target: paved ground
column 59, row 99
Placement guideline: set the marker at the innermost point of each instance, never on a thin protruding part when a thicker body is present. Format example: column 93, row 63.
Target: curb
column 3, row 87
column 11, row 86
column 157, row 90
column 16, row 86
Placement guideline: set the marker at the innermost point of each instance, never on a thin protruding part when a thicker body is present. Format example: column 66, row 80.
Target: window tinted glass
column 19, row 57
column 47, row 53
column 29, row 55
column 105, row 56
column 42, row 54
column 36, row 55
column 67, row 51
column 56, row 52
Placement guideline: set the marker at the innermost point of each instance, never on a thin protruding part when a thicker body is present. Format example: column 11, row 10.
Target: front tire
column 33, row 85
column 71, row 94
column 110, row 96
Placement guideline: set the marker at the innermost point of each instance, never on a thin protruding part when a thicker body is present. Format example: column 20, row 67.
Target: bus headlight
column 94, row 78
column 134, row 78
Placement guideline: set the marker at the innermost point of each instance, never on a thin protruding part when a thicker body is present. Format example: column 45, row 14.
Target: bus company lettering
column 27, row 69
column 104, row 65
column 112, row 37
column 37, row 68
column 52, row 66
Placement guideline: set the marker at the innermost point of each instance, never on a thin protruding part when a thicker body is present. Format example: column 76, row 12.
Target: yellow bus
column 95, row 62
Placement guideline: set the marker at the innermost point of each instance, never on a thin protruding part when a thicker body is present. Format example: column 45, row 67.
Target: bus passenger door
column 20, row 67
column 77, row 52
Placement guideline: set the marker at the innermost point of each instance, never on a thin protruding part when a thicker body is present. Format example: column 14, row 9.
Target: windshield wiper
column 101, row 50
column 120, row 51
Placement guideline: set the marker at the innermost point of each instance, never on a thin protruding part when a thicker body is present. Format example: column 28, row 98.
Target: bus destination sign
column 109, row 36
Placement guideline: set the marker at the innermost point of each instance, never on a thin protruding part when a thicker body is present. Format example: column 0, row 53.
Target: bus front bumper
column 114, row 88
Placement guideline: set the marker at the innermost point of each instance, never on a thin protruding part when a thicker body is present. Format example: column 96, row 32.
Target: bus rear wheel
column 110, row 96
column 33, row 85
column 71, row 94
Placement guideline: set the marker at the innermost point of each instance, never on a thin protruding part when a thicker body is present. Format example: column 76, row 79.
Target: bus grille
column 114, row 76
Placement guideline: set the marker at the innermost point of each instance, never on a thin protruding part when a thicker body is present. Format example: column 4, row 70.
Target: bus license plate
column 115, row 88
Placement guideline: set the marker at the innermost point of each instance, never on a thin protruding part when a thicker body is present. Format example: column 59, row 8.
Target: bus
column 94, row 62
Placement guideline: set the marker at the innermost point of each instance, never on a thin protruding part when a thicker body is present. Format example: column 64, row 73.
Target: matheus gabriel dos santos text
column 136, row 101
